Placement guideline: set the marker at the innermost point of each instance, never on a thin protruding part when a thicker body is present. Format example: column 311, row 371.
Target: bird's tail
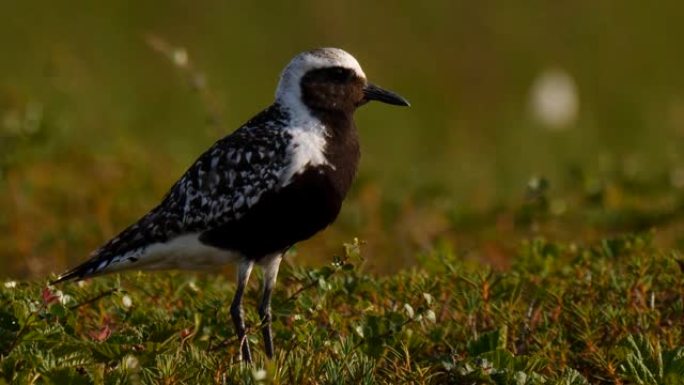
column 106, row 259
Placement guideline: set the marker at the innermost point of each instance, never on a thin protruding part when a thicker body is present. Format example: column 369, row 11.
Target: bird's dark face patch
column 332, row 89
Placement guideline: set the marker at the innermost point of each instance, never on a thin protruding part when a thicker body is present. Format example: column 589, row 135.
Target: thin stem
column 98, row 297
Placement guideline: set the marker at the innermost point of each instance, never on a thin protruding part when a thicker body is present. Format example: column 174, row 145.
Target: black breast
column 299, row 210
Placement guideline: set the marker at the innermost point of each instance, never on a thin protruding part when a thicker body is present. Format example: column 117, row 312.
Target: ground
column 607, row 312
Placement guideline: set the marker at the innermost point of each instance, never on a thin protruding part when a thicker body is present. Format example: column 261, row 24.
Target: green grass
column 608, row 312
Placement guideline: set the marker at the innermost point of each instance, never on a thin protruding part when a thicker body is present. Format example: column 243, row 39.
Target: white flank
column 183, row 252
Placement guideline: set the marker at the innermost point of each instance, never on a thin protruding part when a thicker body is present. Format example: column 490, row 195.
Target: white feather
column 307, row 149
column 182, row 252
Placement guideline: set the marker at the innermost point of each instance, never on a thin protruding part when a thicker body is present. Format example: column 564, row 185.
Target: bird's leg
column 244, row 270
column 270, row 266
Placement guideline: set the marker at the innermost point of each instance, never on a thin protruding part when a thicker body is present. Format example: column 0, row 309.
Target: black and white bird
column 277, row 180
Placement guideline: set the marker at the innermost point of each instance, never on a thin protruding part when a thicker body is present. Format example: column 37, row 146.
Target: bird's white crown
column 289, row 91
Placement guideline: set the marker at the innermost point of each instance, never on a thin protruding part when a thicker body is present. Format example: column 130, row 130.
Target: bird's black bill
column 373, row 92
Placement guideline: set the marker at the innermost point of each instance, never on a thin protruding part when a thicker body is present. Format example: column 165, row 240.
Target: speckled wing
column 221, row 186
column 229, row 179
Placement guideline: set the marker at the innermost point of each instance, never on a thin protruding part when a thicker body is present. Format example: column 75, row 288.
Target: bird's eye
column 340, row 75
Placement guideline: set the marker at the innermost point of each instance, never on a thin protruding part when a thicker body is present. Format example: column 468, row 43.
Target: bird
column 277, row 180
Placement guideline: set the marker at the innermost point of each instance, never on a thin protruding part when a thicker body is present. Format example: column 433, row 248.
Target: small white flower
column 409, row 310
column 428, row 298
column 11, row 284
column 259, row 374
column 126, row 301
column 554, row 99
column 193, row 286
column 430, row 315
column 59, row 295
column 34, row 306
column 131, row 363
column 65, row 299
column 359, row 330
column 180, row 57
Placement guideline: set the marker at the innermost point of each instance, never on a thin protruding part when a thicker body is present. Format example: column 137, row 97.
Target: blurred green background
column 100, row 113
